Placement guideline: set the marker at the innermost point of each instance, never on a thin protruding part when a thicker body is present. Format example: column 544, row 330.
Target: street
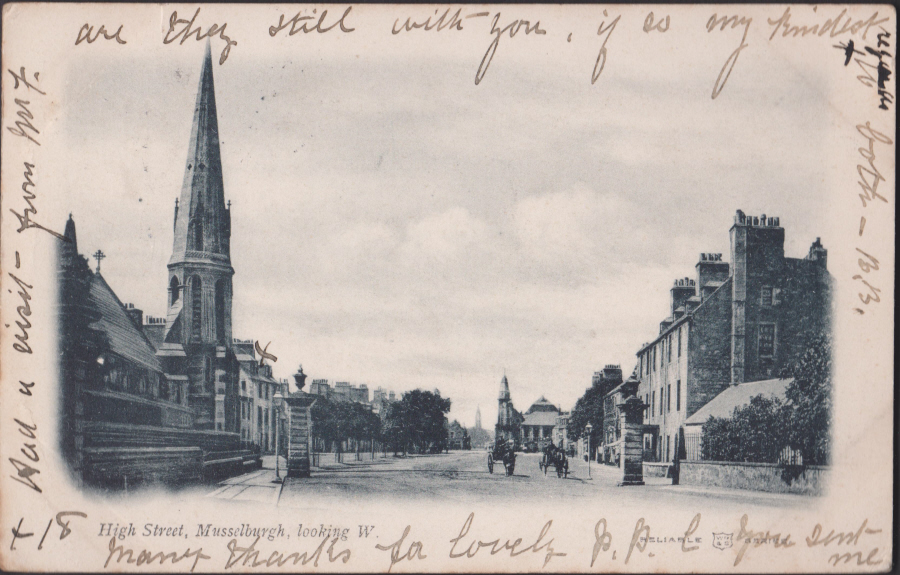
column 462, row 477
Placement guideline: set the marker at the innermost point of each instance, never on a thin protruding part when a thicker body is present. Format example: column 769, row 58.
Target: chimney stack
column 818, row 254
column 135, row 315
column 682, row 289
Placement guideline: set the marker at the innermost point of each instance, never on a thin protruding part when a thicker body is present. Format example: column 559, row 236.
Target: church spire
column 202, row 222
column 200, row 272
column 504, row 388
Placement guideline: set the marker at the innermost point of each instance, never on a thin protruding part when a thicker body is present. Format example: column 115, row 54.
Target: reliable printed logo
column 722, row 540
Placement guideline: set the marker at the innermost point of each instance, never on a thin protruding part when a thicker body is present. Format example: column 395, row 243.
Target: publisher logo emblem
column 722, row 540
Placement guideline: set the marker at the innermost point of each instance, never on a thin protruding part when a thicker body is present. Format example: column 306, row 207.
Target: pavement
column 463, row 477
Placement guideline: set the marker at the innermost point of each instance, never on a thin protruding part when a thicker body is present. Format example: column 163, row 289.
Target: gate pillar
column 631, row 419
column 299, row 442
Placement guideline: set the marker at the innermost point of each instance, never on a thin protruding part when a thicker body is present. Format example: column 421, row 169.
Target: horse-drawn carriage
column 502, row 452
column 556, row 457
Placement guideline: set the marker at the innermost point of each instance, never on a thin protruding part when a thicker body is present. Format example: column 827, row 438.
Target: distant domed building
column 540, row 419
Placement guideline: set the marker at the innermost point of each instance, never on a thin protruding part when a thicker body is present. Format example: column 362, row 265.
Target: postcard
column 447, row 288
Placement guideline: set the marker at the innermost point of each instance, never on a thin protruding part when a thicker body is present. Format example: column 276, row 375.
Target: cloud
column 443, row 236
column 397, row 225
column 565, row 226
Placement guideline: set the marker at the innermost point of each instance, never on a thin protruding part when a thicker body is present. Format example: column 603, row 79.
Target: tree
column 810, row 397
column 394, row 431
column 418, row 422
column 588, row 409
column 337, row 421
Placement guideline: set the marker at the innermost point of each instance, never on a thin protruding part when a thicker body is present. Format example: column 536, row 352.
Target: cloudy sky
column 394, row 224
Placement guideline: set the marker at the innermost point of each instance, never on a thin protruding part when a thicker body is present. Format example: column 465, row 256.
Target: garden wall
column 809, row 480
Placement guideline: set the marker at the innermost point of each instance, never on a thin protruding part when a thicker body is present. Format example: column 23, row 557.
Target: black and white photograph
column 434, row 288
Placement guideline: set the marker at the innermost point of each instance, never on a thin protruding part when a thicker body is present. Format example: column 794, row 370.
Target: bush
column 759, row 432
column 754, row 433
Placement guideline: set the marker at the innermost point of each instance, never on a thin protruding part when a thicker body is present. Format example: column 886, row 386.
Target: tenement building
column 257, row 398
column 731, row 323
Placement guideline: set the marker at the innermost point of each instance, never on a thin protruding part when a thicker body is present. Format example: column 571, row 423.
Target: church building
column 197, row 343
column 157, row 400
column 508, row 419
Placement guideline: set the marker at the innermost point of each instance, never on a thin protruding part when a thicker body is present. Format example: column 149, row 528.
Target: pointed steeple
column 202, row 221
column 68, row 250
column 69, row 234
column 504, row 388
column 200, row 272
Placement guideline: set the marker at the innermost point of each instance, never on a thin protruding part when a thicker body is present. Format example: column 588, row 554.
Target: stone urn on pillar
column 299, row 435
column 631, row 420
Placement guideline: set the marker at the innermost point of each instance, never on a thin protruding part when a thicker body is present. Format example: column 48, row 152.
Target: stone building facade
column 257, row 392
column 539, row 423
column 732, row 323
column 611, row 446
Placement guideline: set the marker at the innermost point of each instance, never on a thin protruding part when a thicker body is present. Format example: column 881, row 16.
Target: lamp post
column 278, row 401
column 587, row 431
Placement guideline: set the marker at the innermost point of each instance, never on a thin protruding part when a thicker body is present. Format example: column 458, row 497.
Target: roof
column 168, row 349
column 540, row 418
column 156, row 333
column 626, row 387
column 740, row 395
column 543, row 405
column 687, row 316
column 124, row 338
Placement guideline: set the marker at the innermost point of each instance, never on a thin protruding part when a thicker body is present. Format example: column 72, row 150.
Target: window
column 653, row 403
column 669, row 397
column 679, row 341
column 220, row 312
column 669, row 348
column 678, row 395
column 219, row 426
column 196, row 305
column 766, row 339
column 766, row 298
column 244, row 385
column 174, row 290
